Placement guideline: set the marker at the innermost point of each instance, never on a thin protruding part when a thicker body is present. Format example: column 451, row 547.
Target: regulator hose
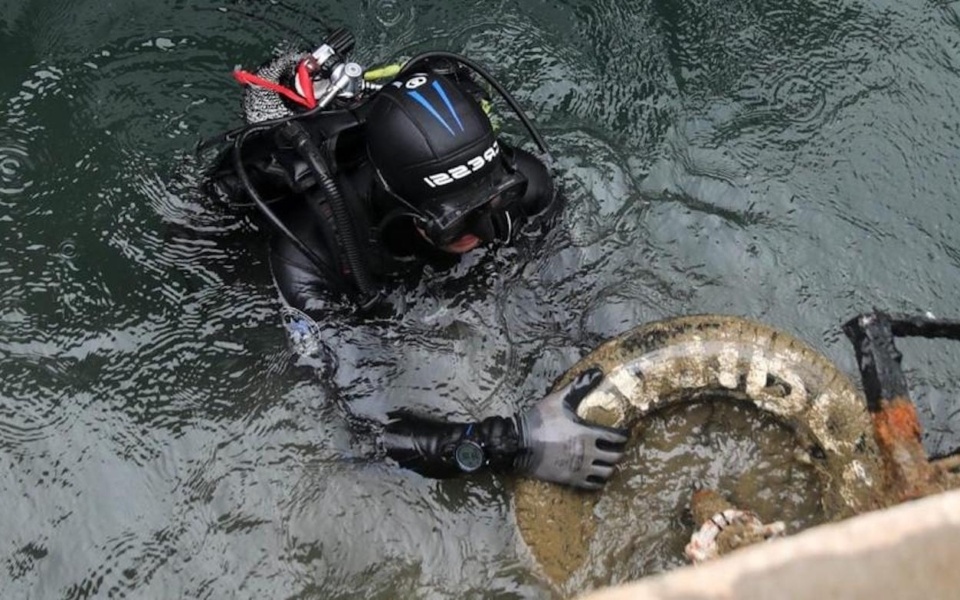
column 355, row 258
column 479, row 70
column 265, row 208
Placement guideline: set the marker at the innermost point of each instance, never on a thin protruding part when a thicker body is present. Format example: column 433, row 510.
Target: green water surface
column 794, row 162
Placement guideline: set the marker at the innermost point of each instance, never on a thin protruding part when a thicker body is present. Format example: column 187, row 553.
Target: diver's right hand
column 559, row 446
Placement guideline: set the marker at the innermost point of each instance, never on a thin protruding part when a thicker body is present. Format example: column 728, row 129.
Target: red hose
column 306, row 84
column 308, row 101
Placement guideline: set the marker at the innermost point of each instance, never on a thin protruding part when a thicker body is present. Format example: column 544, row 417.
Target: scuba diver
column 369, row 174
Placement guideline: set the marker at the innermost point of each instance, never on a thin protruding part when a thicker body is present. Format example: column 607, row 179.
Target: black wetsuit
column 392, row 247
column 383, row 231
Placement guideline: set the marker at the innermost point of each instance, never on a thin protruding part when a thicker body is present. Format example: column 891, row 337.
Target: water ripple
column 25, row 559
column 390, row 13
column 129, row 562
column 15, row 168
column 801, row 99
column 26, row 419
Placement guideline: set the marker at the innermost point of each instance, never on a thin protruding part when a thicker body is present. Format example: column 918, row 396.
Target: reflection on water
column 789, row 162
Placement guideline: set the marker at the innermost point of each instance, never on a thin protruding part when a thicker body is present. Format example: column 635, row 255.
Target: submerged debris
column 724, row 527
column 714, row 359
column 866, row 446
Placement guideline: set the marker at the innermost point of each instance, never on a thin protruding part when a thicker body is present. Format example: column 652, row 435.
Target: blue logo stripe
column 443, row 96
column 426, row 104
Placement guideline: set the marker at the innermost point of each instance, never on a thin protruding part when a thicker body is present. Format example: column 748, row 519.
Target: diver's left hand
column 559, row 446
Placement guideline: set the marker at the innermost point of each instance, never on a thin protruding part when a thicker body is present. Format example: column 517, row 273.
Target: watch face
column 469, row 456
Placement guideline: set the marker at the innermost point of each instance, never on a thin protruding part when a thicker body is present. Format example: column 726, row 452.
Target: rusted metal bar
column 896, row 426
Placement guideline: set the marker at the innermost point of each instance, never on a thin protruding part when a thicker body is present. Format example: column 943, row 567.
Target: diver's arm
column 302, row 284
column 307, row 292
column 548, row 441
column 432, row 448
column 304, row 299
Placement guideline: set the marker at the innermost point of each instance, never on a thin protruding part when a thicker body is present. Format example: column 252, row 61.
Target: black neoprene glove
column 548, row 441
column 559, row 446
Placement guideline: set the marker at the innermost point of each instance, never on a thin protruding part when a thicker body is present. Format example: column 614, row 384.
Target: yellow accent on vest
column 384, row 72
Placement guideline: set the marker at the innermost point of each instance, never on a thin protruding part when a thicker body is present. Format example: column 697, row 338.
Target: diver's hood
column 431, row 143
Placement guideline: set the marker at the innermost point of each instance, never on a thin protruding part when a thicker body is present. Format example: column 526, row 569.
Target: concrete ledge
column 908, row 551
